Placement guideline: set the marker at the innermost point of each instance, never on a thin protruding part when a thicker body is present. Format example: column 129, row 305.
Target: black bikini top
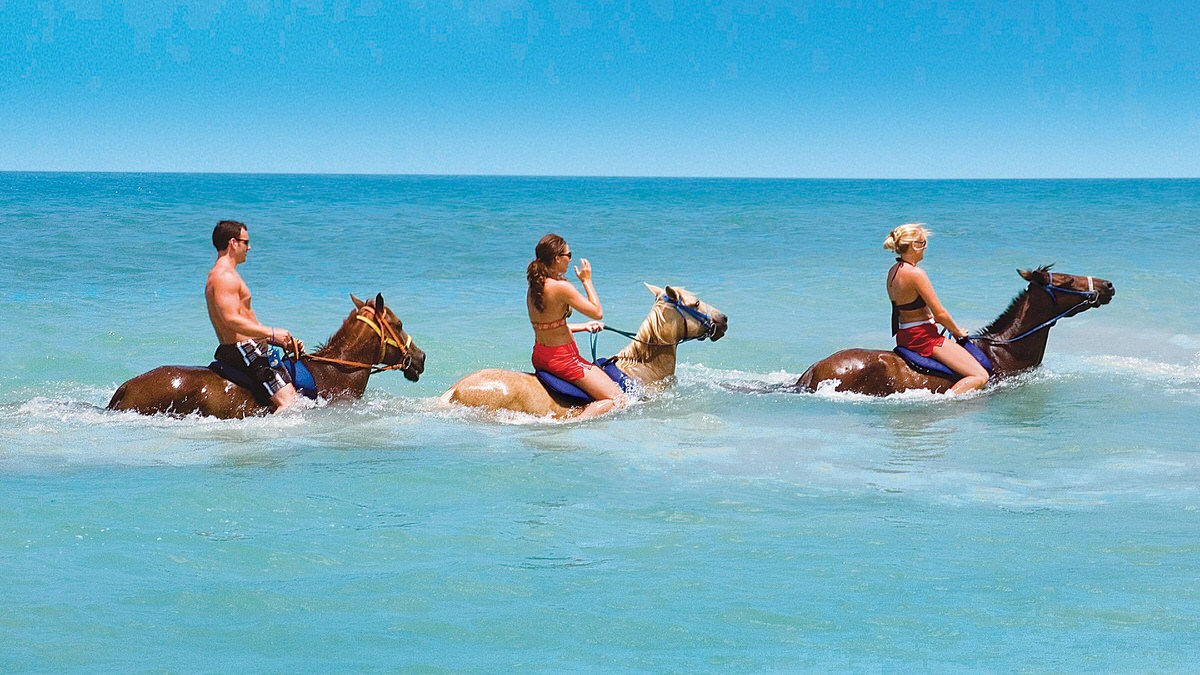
column 906, row 307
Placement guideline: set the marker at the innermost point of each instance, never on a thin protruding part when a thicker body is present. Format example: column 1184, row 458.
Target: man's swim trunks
column 563, row 360
column 921, row 338
column 250, row 357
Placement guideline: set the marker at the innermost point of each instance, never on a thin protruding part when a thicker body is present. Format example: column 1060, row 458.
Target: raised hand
column 584, row 270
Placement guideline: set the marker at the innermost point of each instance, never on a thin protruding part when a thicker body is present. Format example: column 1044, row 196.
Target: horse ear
column 672, row 293
column 653, row 289
column 379, row 302
column 1027, row 275
column 358, row 304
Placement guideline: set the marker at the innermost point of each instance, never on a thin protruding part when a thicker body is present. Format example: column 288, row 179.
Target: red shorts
column 921, row 339
column 563, row 360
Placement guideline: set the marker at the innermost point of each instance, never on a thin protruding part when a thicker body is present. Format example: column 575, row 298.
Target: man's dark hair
column 226, row 230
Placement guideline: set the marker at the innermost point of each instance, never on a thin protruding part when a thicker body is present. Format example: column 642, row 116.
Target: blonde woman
column 916, row 310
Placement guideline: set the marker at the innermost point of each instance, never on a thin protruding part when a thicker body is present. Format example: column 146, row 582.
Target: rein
column 391, row 338
column 1090, row 297
column 704, row 318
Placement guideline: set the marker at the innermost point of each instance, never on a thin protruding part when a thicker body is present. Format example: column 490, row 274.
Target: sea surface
column 1051, row 523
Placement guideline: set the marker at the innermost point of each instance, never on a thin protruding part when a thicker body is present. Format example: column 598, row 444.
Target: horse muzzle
column 416, row 365
column 720, row 324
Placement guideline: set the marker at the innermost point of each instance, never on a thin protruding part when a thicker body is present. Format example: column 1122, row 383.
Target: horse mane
column 1010, row 313
column 323, row 348
column 650, row 331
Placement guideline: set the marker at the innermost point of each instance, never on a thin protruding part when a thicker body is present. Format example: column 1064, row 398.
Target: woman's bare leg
column 600, row 386
column 960, row 361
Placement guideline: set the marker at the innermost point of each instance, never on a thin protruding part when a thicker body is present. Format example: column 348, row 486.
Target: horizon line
column 584, row 176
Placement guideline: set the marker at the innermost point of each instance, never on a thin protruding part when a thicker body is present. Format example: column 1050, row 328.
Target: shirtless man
column 244, row 341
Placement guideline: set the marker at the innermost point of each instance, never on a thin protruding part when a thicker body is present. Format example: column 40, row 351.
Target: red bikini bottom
column 563, row 360
column 922, row 339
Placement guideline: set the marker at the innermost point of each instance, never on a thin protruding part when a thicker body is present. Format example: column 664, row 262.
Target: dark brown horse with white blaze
column 371, row 339
column 1015, row 341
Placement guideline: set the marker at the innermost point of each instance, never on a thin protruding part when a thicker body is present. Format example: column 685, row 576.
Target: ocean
column 1051, row 523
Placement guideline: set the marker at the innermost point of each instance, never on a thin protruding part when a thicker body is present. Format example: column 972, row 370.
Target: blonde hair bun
column 899, row 239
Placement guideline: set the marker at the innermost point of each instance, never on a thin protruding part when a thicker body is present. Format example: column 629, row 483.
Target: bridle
column 705, row 319
column 1091, row 298
column 387, row 337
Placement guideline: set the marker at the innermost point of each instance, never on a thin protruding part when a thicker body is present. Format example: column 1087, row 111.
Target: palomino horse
column 371, row 335
column 677, row 316
column 1014, row 342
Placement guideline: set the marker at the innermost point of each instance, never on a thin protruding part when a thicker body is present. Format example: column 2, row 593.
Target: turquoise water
column 1049, row 524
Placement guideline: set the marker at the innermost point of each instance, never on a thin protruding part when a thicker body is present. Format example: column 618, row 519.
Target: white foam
column 1184, row 341
column 781, row 382
column 1147, row 369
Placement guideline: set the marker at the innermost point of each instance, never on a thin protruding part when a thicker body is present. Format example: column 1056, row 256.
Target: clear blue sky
column 658, row 88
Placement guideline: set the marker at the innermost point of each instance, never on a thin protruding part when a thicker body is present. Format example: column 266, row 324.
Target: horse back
column 183, row 390
column 498, row 389
column 874, row 372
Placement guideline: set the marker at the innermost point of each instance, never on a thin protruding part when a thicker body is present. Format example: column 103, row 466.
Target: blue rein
column 1090, row 297
column 705, row 320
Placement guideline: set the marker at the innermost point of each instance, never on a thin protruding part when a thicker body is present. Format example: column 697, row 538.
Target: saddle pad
column 930, row 366
column 302, row 379
column 578, row 396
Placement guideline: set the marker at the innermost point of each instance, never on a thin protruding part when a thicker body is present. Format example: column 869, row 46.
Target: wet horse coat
column 1014, row 342
column 371, row 334
column 649, row 359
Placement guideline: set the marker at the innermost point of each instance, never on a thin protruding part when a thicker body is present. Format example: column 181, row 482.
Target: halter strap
column 705, row 320
column 391, row 338
column 1090, row 297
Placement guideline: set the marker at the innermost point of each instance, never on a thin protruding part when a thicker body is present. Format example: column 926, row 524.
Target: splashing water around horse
column 1015, row 341
column 677, row 316
column 372, row 334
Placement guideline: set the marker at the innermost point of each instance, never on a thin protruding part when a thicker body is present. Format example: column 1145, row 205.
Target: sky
column 843, row 89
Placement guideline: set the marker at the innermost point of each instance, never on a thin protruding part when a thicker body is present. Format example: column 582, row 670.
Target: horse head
column 396, row 348
column 1069, row 293
column 687, row 317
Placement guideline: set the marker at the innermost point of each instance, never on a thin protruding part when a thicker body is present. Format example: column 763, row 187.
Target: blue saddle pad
column 929, row 366
column 578, row 396
column 302, row 379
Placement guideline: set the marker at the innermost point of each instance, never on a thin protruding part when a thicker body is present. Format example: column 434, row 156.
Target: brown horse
column 1015, row 341
column 372, row 334
column 677, row 316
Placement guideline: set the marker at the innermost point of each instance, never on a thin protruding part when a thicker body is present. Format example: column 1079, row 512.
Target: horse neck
column 1027, row 312
column 354, row 341
column 650, row 356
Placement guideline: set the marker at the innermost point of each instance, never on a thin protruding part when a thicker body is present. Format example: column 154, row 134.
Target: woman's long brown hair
column 548, row 248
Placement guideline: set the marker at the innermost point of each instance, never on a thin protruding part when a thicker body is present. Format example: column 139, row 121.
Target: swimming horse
column 1014, row 342
column 677, row 316
column 370, row 340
